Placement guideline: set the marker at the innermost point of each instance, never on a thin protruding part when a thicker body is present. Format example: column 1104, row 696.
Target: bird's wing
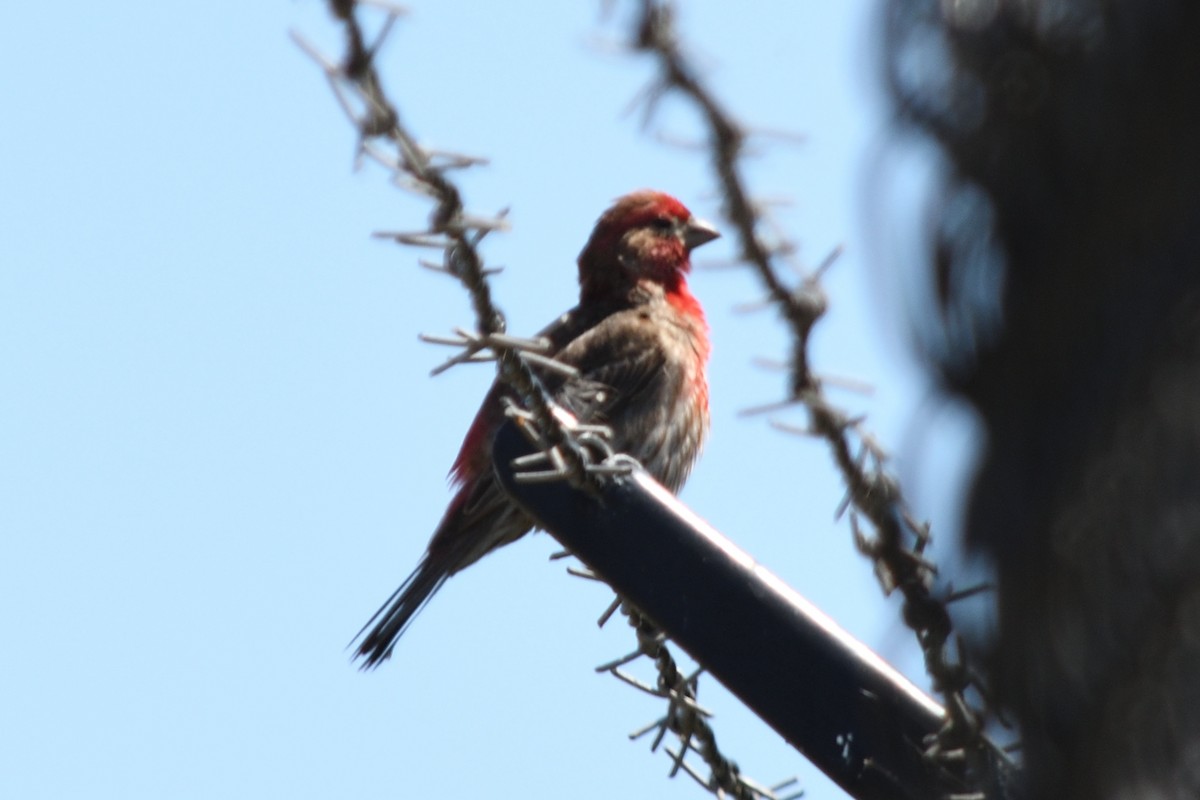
column 620, row 363
column 474, row 456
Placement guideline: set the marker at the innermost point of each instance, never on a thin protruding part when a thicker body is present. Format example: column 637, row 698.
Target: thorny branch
column 358, row 89
column 899, row 542
column 574, row 452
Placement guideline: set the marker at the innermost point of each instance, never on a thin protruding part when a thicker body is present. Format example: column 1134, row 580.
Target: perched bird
column 639, row 341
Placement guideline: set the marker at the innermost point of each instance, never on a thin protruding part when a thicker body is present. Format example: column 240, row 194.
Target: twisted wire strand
column 358, row 88
column 897, row 542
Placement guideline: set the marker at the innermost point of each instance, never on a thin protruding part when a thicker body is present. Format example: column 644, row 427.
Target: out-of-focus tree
column 1065, row 261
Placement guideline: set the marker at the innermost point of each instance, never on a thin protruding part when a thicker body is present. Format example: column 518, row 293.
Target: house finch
column 640, row 344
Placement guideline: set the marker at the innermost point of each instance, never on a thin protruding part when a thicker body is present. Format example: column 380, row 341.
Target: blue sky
column 220, row 449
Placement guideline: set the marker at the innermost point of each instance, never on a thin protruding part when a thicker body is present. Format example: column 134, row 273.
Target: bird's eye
column 662, row 224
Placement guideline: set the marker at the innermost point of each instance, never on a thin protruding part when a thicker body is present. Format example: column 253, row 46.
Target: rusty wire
column 358, row 89
column 897, row 543
column 686, row 719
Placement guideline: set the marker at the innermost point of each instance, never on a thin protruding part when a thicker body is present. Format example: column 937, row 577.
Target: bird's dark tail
column 377, row 638
column 479, row 520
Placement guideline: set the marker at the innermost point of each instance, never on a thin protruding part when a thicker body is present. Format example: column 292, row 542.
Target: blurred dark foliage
column 1064, row 256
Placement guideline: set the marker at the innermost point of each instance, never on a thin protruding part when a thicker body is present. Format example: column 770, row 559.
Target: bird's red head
column 644, row 236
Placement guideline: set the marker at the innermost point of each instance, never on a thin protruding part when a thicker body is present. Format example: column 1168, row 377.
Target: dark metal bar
column 838, row 703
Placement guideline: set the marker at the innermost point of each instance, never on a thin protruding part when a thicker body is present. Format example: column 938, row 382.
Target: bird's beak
column 698, row 232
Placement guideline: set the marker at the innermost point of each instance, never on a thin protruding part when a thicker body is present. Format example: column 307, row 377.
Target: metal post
column 838, row 703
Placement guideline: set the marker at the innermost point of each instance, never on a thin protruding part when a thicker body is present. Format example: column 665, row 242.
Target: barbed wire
column 356, row 85
column 897, row 542
column 684, row 717
column 571, row 451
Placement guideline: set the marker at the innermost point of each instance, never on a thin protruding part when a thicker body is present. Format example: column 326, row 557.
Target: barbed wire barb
column 685, row 718
column 608, row 612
